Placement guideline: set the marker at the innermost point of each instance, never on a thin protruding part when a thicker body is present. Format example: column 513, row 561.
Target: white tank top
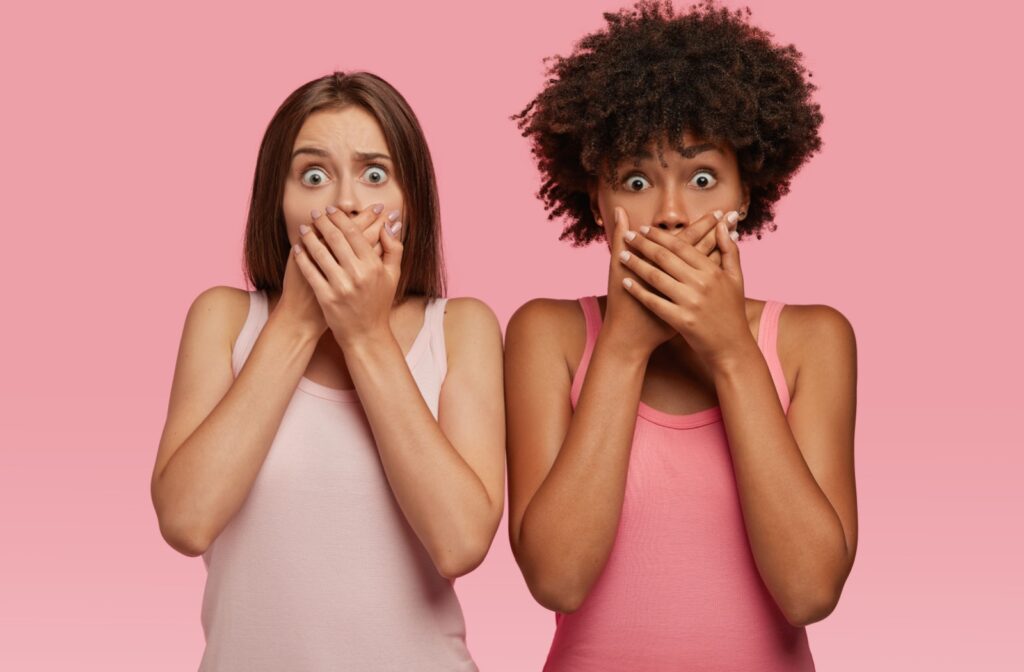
column 319, row 569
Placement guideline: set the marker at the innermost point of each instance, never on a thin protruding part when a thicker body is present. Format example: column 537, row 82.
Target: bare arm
column 795, row 475
column 219, row 429
column 447, row 474
column 567, row 471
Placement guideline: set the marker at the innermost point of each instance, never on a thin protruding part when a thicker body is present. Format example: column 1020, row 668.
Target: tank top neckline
column 351, row 395
column 707, row 416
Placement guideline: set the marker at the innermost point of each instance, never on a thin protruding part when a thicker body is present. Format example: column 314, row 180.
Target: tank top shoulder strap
column 767, row 340
column 257, row 317
column 592, row 317
column 433, row 323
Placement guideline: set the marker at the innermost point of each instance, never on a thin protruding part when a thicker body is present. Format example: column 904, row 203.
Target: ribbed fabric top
column 680, row 590
column 319, row 569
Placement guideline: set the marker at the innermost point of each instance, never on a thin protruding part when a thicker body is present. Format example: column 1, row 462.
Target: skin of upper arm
column 537, row 388
column 823, row 409
column 202, row 374
column 471, row 408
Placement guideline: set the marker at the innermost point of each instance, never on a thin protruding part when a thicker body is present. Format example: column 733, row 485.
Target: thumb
column 728, row 247
column 391, row 245
column 621, row 226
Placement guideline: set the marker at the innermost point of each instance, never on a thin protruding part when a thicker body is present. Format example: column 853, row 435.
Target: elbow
column 810, row 608
column 555, row 595
column 186, row 539
column 451, row 563
column 554, row 590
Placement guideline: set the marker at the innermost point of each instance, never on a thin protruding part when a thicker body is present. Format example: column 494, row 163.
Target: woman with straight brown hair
column 334, row 444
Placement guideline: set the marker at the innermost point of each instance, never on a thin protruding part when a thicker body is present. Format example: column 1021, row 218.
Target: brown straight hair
column 266, row 238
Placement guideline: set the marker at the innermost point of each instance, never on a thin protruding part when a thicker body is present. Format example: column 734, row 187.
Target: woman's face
column 703, row 178
column 340, row 158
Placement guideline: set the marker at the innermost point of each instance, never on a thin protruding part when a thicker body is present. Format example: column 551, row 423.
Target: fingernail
column 630, row 235
column 303, row 229
column 718, row 214
column 624, row 255
column 393, row 229
column 393, row 215
column 377, row 209
column 645, row 229
column 734, row 235
column 732, row 217
column 627, row 282
column 297, row 248
column 331, row 209
column 314, row 213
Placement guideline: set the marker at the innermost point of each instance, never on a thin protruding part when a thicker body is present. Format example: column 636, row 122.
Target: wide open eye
column 637, row 183
column 375, row 175
column 314, row 177
column 704, row 179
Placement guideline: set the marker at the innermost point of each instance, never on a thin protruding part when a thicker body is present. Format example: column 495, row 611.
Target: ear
column 595, row 209
column 745, row 205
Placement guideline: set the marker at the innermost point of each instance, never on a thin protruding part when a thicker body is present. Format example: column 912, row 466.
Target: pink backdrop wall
column 129, row 137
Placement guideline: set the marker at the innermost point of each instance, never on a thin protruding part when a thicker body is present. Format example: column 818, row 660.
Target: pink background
column 129, row 138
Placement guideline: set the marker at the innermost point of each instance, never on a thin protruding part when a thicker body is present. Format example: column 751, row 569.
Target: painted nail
column 732, row 217
column 303, row 229
column 377, row 209
column 297, row 248
column 393, row 215
column 734, row 235
column 393, row 229
column 627, row 282
column 645, row 229
column 718, row 214
column 630, row 235
column 624, row 255
column 314, row 213
column 331, row 209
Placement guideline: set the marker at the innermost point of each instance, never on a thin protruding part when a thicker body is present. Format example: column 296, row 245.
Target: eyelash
column 710, row 171
column 314, row 166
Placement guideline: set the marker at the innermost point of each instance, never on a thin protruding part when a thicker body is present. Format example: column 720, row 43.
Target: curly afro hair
column 650, row 75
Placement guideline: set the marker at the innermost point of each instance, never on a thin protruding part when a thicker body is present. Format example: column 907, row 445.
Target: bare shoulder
column 547, row 330
column 547, row 318
column 466, row 316
column 469, row 322
column 219, row 312
column 815, row 332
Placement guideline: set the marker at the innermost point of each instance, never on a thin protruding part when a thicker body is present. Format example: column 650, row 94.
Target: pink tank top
column 680, row 590
column 319, row 569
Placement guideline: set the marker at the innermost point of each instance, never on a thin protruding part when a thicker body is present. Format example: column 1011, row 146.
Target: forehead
column 342, row 131
column 686, row 147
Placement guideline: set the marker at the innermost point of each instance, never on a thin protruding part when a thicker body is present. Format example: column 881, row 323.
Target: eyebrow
column 361, row 156
column 686, row 152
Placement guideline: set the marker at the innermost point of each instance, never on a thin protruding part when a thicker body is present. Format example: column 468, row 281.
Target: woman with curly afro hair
column 681, row 473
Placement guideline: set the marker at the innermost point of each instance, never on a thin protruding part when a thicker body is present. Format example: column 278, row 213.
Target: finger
column 655, row 277
column 354, row 235
column 320, row 253
column 698, row 230
column 730, row 250
column 654, row 303
column 672, row 254
column 679, row 246
column 391, row 241
column 327, row 224
column 310, row 271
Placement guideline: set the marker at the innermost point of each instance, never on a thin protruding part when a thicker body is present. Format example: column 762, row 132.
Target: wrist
column 299, row 333
column 736, row 361
column 625, row 347
column 368, row 342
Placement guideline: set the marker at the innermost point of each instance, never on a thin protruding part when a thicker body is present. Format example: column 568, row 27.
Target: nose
column 671, row 215
column 346, row 199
